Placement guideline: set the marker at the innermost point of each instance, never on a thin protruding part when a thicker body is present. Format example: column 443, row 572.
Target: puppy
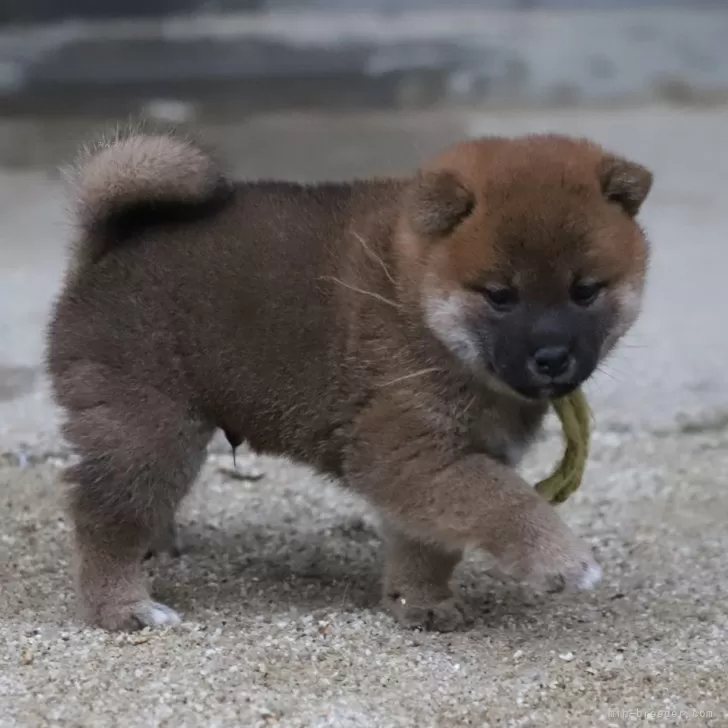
column 402, row 335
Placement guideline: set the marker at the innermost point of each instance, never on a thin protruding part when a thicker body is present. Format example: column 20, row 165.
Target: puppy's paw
column 154, row 614
column 564, row 564
column 580, row 575
column 131, row 616
column 447, row 615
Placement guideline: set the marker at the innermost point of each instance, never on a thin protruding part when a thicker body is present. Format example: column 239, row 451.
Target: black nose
column 551, row 361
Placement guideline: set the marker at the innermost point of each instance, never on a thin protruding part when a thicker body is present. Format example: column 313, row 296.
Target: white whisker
column 469, row 405
column 362, row 291
column 373, row 255
column 607, row 373
column 404, row 378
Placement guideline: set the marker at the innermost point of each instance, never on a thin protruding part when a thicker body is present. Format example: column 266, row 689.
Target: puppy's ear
column 625, row 183
column 437, row 203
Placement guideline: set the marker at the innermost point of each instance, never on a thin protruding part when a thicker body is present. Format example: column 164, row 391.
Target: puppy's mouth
column 546, row 392
column 532, row 392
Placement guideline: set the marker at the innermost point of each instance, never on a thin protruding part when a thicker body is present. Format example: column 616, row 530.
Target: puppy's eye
column 584, row 293
column 501, row 298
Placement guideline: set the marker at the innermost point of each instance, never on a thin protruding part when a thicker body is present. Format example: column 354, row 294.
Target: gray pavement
column 278, row 588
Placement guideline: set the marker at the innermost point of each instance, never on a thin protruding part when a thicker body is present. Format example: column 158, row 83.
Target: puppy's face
column 530, row 263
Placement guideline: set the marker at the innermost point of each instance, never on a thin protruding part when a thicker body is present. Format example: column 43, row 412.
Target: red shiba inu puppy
column 402, row 335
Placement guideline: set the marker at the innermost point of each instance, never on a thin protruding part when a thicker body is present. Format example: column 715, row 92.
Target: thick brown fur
column 344, row 326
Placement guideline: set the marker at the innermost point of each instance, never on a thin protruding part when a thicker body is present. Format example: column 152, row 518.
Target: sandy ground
column 278, row 584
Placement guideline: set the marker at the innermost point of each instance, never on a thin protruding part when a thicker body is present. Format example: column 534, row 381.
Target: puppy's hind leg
column 140, row 452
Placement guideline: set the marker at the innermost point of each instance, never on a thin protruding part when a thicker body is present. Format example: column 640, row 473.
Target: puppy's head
column 525, row 257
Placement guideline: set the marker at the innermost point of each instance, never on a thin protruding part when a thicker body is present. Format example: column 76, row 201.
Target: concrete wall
column 53, row 10
column 261, row 54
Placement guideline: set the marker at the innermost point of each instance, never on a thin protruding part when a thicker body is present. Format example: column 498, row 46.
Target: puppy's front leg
column 416, row 585
column 478, row 501
column 442, row 500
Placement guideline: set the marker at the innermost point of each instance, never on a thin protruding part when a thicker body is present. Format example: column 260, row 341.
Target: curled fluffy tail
column 117, row 179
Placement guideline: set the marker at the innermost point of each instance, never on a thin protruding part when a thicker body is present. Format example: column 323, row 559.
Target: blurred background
column 219, row 61
column 341, row 88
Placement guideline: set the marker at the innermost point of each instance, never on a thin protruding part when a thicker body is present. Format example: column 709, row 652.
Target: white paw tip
column 591, row 577
column 158, row 615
